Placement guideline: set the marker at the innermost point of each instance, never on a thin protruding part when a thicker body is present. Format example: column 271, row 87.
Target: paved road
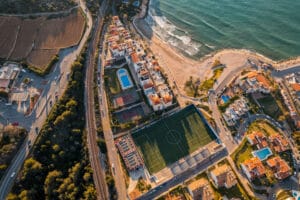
column 286, row 71
column 39, row 115
column 98, row 172
column 108, row 134
column 223, row 133
column 179, row 179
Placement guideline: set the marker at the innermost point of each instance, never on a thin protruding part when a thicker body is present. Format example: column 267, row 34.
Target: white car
column 12, row 174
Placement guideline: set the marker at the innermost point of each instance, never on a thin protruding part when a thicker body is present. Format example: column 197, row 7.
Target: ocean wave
column 168, row 32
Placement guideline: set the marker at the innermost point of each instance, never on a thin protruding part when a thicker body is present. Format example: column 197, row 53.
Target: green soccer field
column 172, row 138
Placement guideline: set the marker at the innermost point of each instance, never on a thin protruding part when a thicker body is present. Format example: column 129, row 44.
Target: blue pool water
column 225, row 98
column 296, row 194
column 124, row 79
column 262, row 154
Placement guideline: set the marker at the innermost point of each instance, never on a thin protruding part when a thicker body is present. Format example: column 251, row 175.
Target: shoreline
column 145, row 12
column 181, row 67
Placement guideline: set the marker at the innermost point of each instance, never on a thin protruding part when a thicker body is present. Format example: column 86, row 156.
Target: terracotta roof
column 156, row 68
column 155, row 99
column 255, row 167
column 167, row 98
column 135, row 58
column 296, row 87
column 263, row 80
column 280, row 167
column 279, row 142
column 197, row 184
column 257, row 137
column 224, row 176
column 252, row 74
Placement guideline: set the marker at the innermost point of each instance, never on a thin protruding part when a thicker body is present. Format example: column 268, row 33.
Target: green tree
column 90, row 193
column 52, row 181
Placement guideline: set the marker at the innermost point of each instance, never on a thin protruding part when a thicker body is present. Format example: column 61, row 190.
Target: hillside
column 37, row 41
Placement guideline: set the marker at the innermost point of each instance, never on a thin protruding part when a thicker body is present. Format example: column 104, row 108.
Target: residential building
column 223, row 176
column 144, row 68
column 235, row 111
column 279, row 143
column 201, row 189
column 129, row 153
column 8, row 74
column 281, row 169
column 255, row 82
column 253, row 168
column 257, row 138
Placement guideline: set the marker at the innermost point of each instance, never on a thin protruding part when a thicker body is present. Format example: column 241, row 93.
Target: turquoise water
column 199, row 27
column 225, row 98
column 124, row 79
column 262, row 154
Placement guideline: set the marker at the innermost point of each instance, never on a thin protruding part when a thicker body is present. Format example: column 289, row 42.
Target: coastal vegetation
column 191, row 87
column 11, row 138
column 130, row 9
column 209, row 83
column 58, row 166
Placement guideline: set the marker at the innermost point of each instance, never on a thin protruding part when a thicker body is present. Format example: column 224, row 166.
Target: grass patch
column 234, row 192
column 242, row 153
column 209, row 83
column 112, row 82
column 270, row 106
column 176, row 193
column 263, row 126
column 191, row 87
column 284, row 194
column 172, row 138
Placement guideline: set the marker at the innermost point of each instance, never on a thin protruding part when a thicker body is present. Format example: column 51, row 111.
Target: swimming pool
column 124, row 79
column 262, row 154
column 225, row 98
column 296, row 194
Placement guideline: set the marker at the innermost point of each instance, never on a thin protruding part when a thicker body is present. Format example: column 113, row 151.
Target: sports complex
column 173, row 137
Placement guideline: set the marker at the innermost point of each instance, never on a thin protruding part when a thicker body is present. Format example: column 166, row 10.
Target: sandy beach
column 179, row 68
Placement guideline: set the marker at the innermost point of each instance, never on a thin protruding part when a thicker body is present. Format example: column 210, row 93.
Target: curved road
column 58, row 81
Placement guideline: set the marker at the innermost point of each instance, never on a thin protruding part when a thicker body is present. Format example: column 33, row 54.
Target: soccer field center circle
column 173, row 137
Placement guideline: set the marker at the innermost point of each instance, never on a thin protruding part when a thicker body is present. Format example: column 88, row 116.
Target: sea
column 200, row 27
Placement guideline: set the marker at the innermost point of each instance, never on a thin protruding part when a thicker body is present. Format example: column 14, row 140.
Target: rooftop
column 280, row 167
